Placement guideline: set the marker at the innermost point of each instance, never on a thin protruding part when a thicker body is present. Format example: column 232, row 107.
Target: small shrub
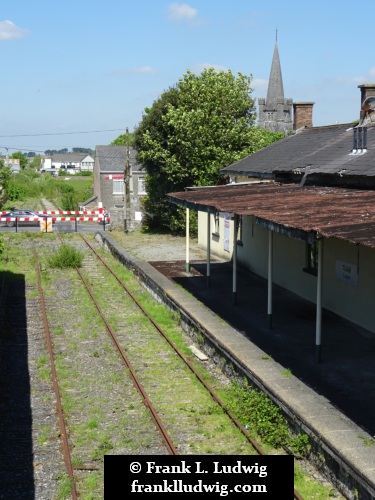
column 300, row 445
column 15, row 193
column 66, row 257
column 259, row 412
column 66, row 188
column 68, row 201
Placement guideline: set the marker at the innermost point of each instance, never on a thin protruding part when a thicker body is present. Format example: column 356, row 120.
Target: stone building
column 123, row 200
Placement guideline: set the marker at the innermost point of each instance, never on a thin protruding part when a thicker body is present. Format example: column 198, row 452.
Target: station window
column 216, row 224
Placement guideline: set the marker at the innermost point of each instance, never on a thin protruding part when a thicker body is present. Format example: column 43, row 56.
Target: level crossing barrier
column 99, row 215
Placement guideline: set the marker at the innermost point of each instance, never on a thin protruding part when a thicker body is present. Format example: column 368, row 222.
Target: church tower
column 275, row 112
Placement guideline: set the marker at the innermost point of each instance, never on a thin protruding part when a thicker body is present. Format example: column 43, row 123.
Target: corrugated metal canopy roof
column 300, row 211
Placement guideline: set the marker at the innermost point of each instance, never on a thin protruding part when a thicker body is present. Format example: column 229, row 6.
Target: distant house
column 14, row 163
column 70, row 163
column 123, row 200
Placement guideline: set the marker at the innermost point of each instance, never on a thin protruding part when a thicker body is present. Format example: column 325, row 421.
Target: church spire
column 275, row 83
column 275, row 112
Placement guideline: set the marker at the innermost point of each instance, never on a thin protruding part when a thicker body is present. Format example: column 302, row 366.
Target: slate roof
column 69, row 157
column 112, row 159
column 324, row 150
column 303, row 212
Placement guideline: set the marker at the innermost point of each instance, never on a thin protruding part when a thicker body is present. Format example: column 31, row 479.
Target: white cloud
column 9, row 31
column 198, row 68
column 179, row 11
column 357, row 80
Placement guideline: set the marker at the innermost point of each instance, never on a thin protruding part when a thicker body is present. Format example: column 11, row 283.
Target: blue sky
column 77, row 73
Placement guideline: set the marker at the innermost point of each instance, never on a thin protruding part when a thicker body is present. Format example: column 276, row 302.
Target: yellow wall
column 355, row 302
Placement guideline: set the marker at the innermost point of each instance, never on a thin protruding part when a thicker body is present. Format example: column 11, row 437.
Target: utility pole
column 128, row 188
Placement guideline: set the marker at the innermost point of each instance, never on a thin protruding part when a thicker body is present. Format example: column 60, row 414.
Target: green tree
column 201, row 125
column 5, row 177
column 122, row 140
column 88, row 151
column 21, row 157
column 36, row 162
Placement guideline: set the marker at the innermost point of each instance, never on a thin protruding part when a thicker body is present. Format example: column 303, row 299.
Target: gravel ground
column 155, row 247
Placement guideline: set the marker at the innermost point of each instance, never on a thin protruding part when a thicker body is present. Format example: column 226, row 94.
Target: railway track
column 121, row 385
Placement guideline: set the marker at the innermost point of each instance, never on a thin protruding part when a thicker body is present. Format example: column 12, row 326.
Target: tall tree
column 202, row 124
column 122, row 140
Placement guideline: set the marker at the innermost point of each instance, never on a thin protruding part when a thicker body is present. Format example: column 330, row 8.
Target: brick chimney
column 367, row 90
column 302, row 114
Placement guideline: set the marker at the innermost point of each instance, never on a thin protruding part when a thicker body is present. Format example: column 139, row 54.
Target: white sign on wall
column 347, row 272
column 227, row 218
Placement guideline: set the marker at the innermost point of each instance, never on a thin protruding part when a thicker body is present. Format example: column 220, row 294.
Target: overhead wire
column 62, row 133
column 32, row 150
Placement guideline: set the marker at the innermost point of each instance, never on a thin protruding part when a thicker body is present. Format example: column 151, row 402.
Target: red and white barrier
column 19, row 219
column 100, row 215
column 36, row 219
column 66, row 212
column 69, row 212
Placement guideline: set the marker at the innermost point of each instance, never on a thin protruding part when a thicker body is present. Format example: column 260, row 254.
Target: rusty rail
column 59, row 407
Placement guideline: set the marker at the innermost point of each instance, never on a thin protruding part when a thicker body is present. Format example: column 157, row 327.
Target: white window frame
column 216, row 230
column 118, row 186
column 141, row 185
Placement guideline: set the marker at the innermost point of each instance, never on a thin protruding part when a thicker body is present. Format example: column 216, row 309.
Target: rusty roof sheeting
column 347, row 214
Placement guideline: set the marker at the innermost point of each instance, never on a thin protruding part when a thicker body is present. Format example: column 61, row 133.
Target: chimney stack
column 302, row 114
column 367, row 90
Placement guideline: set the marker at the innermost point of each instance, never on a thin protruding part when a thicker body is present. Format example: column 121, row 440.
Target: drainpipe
column 235, row 230
column 318, row 334
column 187, row 240
column 270, row 269
column 208, row 248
